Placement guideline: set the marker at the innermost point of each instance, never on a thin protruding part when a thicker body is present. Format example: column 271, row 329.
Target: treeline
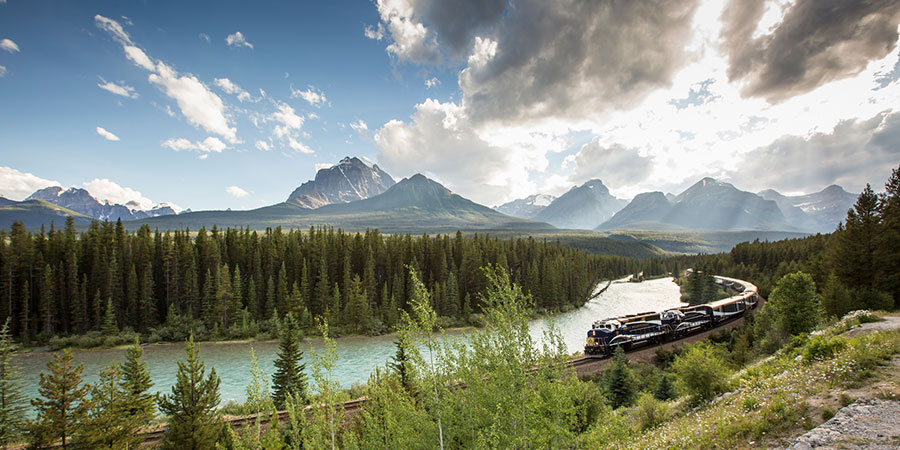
column 856, row 267
column 230, row 283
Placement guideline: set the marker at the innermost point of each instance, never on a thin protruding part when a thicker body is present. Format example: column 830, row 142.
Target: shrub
column 650, row 411
column 821, row 347
column 702, row 372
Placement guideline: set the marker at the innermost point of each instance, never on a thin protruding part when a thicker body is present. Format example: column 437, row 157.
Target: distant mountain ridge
column 582, row 207
column 526, row 208
column 820, row 211
column 349, row 180
column 714, row 205
column 81, row 201
column 413, row 204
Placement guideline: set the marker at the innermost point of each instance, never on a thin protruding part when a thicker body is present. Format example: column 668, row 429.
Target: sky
column 234, row 104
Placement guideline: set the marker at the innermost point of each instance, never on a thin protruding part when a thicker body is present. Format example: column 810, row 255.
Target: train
column 657, row 327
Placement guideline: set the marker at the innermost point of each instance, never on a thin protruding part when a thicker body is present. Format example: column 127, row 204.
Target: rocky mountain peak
column 349, row 180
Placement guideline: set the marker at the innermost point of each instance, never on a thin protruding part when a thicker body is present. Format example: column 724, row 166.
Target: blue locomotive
column 657, row 327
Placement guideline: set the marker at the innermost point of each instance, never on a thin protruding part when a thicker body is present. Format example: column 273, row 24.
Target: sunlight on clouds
column 105, row 190
column 312, row 95
column 17, row 186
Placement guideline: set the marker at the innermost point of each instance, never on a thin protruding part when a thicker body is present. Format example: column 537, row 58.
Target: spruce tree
column 191, row 407
column 63, row 408
column 401, row 365
column 110, row 327
column 136, row 384
column 12, row 398
column 619, row 380
column 289, row 375
column 665, row 390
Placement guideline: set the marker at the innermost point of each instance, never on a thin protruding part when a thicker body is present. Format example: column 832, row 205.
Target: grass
column 777, row 398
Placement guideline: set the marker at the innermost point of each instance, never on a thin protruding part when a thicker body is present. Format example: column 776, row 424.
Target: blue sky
column 233, row 104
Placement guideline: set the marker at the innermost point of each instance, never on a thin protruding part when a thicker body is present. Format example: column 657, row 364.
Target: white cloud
column 440, row 141
column 312, row 95
column 236, row 192
column 198, row 104
column 232, row 88
column 105, row 190
column 263, row 145
column 16, row 185
column 119, row 89
column 210, row 144
column 2, row 71
column 205, row 37
column 9, row 45
column 288, row 119
column 237, row 40
column 299, row 146
column 432, row 82
column 320, row 166
column 375, row 33
column 106, row 134
column 359, row 126
column 137, row 56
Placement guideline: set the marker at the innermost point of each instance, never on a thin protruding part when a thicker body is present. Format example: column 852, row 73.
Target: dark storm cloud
column 571, row 58
column 458, row 22
column 818, row 41
column 856, row 152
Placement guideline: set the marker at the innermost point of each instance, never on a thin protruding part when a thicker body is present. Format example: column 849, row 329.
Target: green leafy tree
column 796, row 303
column 191, row 407
column 12, row 398
column 324, row 426
column 259, row 397
column 289, row 367
column 136, row 384
column 109, row 426
column 702, row 371
column 619, row 380
column 63, row 406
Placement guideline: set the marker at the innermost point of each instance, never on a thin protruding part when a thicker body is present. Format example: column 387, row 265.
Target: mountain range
column 356, row 194
column 708, row 205
column 81, row 201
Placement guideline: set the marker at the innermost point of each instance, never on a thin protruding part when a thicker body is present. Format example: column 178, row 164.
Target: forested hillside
column 228, row 283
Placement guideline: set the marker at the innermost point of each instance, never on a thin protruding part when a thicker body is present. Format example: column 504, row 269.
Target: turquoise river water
column 358, row 355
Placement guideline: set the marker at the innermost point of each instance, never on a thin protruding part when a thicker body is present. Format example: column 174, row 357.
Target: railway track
column 583, row 366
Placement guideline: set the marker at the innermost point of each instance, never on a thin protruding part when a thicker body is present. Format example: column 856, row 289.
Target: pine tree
column 110, row 327
column 191, row 407
column 63, row 409
column 619, row 380
column 289, row 375
column 400, row 364
column 334, row 306
column 12, row 398
column 136, row 384
column 358, row 313
column 665, row 390
column 108, row 425
column 46, row 304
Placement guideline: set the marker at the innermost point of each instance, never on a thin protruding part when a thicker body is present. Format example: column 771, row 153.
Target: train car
column 633, row 329
column 626, row 331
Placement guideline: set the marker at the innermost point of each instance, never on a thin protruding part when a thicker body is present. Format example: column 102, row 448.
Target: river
column 358, row 355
